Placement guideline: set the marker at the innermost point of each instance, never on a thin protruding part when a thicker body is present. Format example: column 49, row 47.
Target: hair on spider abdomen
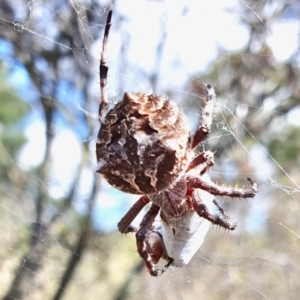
column 143, row 144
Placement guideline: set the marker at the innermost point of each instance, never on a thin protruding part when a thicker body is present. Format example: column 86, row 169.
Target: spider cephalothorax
column 144, row 147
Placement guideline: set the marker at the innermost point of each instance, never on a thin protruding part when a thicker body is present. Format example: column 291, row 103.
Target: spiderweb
column 58, row 217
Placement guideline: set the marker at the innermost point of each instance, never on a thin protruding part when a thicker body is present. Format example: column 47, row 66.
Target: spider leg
column 103, row 69
column 206, row 119
column 143, row 247
column 221, row 210
column 124, row 225
column 203, row 212
column 205, row 158
column 212, row 188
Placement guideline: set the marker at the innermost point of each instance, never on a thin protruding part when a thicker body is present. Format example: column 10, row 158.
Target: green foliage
column 13, row 109
column 285, row 147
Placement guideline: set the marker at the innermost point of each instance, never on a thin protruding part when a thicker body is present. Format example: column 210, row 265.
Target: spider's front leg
column 125, row 224
column 212, row 188
column 203, row 212
column 204, row 185
column 205, row 159
column 143, row 247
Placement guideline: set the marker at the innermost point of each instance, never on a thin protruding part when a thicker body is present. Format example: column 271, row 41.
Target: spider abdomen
column 143, row 144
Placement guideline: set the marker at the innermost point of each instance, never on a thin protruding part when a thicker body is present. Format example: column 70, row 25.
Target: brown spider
column 144, row 147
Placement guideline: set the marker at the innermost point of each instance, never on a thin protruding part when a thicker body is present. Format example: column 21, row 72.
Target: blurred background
column 59, row 218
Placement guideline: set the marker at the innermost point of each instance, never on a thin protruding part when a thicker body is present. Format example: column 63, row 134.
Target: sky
column 217, row 26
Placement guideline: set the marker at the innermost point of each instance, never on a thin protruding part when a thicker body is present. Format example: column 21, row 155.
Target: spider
column 144, row 147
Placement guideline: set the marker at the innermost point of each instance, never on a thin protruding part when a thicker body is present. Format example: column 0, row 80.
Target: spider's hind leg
column 103, row 70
